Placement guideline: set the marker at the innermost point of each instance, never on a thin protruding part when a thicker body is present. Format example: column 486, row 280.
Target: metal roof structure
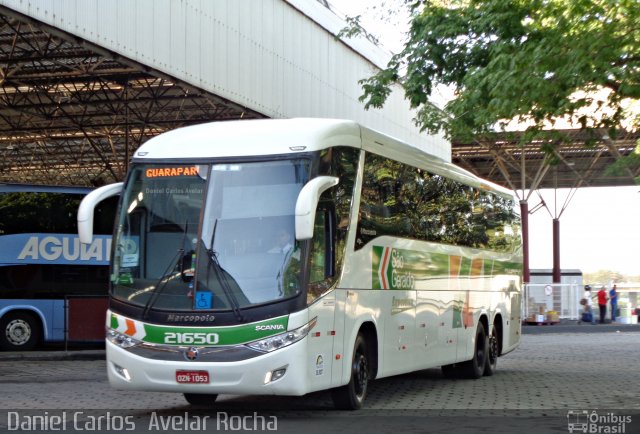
column 72, row 113
column 582, row 159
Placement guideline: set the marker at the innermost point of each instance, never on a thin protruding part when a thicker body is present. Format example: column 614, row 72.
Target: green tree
column 24, row 212
column 524, row 60
column 603, row 277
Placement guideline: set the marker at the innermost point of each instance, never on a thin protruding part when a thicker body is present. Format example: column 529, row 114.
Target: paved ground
column 556, row 373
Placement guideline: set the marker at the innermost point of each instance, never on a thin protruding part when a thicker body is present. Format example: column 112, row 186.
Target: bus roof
column 251, row 137
column 247, row 138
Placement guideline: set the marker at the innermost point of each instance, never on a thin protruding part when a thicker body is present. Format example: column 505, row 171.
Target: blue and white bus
column 52, row 287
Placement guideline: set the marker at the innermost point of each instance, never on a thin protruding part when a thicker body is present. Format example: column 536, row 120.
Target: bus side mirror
column 87, row 206
column 308, row 202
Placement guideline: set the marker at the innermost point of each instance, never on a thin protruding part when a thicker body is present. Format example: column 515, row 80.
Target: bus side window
column 322, row 257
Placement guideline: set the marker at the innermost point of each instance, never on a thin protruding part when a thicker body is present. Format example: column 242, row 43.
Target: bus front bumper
column 253, row 376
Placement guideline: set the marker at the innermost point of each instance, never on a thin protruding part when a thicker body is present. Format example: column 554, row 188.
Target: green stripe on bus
column 465, row 266
column 376, row 258
column 211, row 336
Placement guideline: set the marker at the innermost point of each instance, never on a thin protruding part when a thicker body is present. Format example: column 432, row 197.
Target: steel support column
column 556, row 251
column 524, row 215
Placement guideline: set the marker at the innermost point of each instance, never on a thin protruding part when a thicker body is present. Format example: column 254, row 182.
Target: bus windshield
column 208, row 236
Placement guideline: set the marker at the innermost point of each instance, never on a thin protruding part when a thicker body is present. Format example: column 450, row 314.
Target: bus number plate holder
column 192, row 377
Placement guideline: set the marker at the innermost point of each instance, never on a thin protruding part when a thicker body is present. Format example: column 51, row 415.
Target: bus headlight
column 121, row 340
column 273, row 343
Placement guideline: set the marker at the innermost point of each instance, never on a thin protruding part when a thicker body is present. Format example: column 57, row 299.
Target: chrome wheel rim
column 18, row 332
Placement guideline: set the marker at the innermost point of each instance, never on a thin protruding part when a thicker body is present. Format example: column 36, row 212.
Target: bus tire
column 475, row 367
column 493, row 351
column 19, row 331
column 352, row 395
column 201, row 399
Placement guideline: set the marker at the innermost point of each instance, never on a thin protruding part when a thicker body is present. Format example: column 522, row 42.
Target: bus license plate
column 191, row 377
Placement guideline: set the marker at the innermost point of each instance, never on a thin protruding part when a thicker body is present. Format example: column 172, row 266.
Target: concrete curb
column 574, row 327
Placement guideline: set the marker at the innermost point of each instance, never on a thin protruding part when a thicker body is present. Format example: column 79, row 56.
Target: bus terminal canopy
column 73, row 112
column 581, row 160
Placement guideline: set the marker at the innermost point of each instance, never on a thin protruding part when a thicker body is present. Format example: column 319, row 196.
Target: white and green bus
column 290, row 256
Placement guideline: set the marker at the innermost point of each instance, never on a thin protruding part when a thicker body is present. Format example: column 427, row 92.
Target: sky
column 600, row 227
column 599, row 230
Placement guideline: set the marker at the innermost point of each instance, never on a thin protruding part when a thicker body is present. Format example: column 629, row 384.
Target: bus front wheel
column 19, row 331
column 351, row 396
column 201, row 399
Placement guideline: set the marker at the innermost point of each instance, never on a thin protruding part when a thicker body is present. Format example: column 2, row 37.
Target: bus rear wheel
column 492, row 353
column 19, row 331
column 201, row 399
column 351, row 396
column 475, row 367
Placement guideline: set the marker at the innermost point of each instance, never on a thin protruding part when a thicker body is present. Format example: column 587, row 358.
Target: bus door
column 322, row 277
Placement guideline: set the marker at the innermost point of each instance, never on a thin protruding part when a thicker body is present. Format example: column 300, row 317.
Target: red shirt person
column 602, row 304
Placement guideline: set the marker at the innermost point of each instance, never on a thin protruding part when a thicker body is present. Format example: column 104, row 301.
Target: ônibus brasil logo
column 391, row 272
column 583, row 421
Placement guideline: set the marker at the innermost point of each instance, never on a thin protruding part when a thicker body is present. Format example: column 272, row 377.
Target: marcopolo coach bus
column 52, row 287
column 290, row 256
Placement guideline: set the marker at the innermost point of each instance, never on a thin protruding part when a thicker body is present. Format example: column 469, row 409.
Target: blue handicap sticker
column 203, row 300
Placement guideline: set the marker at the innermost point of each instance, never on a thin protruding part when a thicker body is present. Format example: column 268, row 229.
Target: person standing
column 613, row 299
column 587, row 312
column 602, row 304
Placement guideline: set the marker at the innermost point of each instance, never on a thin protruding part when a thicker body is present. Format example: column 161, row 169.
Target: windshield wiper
column 161, row 283
column 222, row 276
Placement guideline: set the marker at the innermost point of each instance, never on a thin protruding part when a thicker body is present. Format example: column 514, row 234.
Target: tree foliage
column 604, row 277
column 24, row 212
column 524, row 60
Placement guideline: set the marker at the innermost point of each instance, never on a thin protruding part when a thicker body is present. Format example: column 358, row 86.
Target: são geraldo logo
column 391, row 271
